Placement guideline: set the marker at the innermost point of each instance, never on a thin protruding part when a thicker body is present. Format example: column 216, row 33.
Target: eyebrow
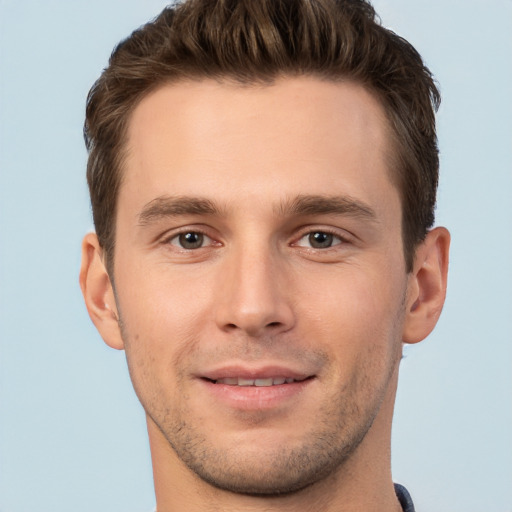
column 302, row 205
column 167, row 206
column 327, row 205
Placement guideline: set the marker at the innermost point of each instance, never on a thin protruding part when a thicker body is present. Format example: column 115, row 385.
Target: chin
column 278, row 470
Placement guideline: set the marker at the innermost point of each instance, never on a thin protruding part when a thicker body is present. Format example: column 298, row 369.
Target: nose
column 253, row 296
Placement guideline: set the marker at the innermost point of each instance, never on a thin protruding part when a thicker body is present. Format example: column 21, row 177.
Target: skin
column 258, row 234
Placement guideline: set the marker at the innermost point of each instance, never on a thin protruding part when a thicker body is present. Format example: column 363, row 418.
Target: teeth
column 263, row 382
column 239, row 381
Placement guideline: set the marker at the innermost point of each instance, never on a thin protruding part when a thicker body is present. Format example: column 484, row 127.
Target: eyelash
column 307, row 233
column 175, row 236
column 312, row 231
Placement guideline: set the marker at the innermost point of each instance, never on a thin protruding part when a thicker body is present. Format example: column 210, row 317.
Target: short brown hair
column 257, row 41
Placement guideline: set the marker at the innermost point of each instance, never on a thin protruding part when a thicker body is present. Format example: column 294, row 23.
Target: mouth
column 269, row 387
column 257, row 382
column 240, row 387
column 257, row 393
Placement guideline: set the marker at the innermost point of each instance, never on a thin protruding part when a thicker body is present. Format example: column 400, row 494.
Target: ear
column 98, row 292
column 427, row 286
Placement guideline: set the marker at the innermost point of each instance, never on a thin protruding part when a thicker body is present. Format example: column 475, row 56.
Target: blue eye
column 190, row 240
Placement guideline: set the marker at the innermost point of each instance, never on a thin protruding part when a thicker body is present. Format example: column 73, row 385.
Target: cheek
column 162, row 319
column 354, row 312
column 163, row 308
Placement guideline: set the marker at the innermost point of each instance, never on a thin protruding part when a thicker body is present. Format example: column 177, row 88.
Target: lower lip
column 256, row 397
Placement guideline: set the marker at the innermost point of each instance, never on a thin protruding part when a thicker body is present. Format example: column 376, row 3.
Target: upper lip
column 247, row 372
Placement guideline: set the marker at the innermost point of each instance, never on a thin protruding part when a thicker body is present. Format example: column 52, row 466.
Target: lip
column 245, row 372
column 255, row 398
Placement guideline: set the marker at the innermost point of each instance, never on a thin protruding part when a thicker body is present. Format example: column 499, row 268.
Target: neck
column 363, row 484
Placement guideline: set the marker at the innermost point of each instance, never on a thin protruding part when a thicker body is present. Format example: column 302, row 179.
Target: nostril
column 274, row 324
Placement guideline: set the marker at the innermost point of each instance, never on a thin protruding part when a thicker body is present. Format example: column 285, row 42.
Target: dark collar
column 404, row 498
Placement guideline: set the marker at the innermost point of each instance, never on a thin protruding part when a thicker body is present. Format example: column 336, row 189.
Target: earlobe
column 98, row 292
column 427, row 286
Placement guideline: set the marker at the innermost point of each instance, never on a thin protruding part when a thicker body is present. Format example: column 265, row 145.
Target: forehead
column 224, row 140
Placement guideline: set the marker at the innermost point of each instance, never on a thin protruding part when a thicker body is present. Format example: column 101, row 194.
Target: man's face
column 260, row 277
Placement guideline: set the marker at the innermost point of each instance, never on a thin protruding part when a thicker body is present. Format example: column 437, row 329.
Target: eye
column 190, row 240
column 319, row 240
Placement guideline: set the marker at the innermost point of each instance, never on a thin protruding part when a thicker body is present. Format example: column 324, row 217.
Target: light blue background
column 72, row 434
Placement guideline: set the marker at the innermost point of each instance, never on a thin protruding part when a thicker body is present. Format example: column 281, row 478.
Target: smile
column 256, row 389
column 266, row 382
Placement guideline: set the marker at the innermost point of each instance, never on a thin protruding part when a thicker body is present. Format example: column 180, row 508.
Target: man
column 263, row 179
